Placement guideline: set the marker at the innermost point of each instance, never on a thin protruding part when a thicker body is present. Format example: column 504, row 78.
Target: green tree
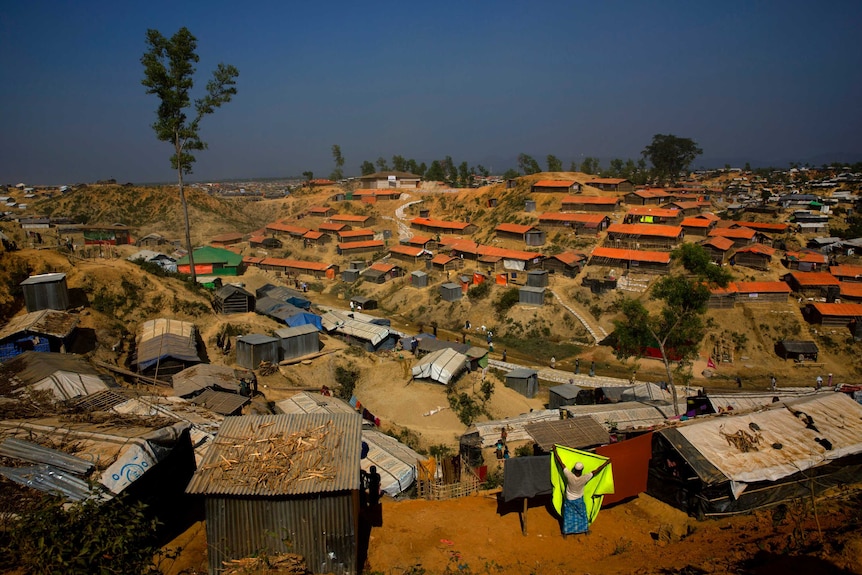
column 464, row 175
column 483, row 171
column 554, row 163
column 590, row 165
column 399, row 164
column 309, row 175
column 422, row 169
column 435, row 172
column 676, row 329
column 338, row 173
column 381, row 164
column 169, row 68
column 615, row 168
column 528, row 165
column 696, row 260
column 670, row 155
column 367, row 168
column 511, row 174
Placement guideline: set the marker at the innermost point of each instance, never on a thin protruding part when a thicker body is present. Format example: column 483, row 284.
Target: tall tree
column 554, row 163
column 381, row 164
column 616, row 167
column 464, row 176
column 367, row 168
column 435, row 172
column 676, row 329
column 338, row 172
column 590, row 165
column 399, row 164
column 528, row 165
column 670, row 155
column 309, row 175
column 169, row 68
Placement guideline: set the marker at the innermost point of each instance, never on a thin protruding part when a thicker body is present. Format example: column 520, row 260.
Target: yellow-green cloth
column 594, row 491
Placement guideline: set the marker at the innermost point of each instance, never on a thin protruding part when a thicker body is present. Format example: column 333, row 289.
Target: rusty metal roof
column 576, row 432
column 47, row 322
column 282, row 455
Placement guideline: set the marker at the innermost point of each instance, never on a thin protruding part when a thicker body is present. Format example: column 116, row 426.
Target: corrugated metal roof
column 576, row 432
column 47, row 321
column 395, row 461
column 279, row 455
column 287, row 332
column 312, row 402
column 631, row 255
column 205, row 375
column 220, row 401
column 834, row 416
column 35, row 453
column 489, row 431
column 43, row 278
column 621, row 416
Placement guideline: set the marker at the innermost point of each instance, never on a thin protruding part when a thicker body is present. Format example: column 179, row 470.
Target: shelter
column 485, row 434
column 537, row 278
column 312, row 402
column 46, row 291
column 255, row 348
column 293, row 297
column 644, row 236
column 589, row 204
column 165, row 346
column 298, row 341
column 567, row 263
column 576, row 432
column 812, row 284
column 419, row 279
column 197, row 378
column 221, row 402
column 233, row 299
column 441, row 366
column 611, row 184
column 524, row 381
column 565, row 186
column 286, row 313
column 586, row 223
column 318, row 270
column 721, row 465
column 531, row 295
column 210, row 261
column 265, row 493
column 757, row 256
column 626, row 416
column 450, row 292
column 66, row 376
column 363, row 302
column 372, row 337
column 396, row 462
column 644, row 261
column 832, row 314
column 383, row 180
column 798, row 351
column 45, row 330
column 561, row 395
column 530, row 235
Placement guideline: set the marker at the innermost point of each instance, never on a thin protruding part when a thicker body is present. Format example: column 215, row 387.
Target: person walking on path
column 577, row 365
column 738, row 382
column 553, row 362
column 592, row 369
column 575, row 519
column 818, row 382
column 830, row 380
column 772, row 383
column 504, row 355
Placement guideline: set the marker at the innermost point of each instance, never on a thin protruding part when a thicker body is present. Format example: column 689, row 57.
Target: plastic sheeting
column 441, row 365
column 596, row 488
column 396, row 463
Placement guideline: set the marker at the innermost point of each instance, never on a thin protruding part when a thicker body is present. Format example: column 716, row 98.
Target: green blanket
column 598, row 486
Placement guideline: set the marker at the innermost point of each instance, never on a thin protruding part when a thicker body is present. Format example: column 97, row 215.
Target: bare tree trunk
column 669, row 371
column 185, row 213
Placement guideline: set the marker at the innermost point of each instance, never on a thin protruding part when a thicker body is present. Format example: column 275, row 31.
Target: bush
column 346, row 378
column 480, row 291
column 89, row 537
column 505, row 302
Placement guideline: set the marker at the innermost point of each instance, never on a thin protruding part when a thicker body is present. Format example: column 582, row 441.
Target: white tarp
column 441, row 365
column 395, row 462
column 67, row 384
column 836, row 417
column 514, row 265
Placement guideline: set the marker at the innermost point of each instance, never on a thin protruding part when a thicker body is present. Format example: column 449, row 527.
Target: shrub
column 505, row 302
column 480, row 291
column 346, row 378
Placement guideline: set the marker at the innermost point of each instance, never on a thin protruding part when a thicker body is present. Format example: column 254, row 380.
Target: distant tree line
column 446, row 170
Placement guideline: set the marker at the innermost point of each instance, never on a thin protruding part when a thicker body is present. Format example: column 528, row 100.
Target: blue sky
column 481, row 81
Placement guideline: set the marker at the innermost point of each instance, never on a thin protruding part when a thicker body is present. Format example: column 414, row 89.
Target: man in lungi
column 575, row 519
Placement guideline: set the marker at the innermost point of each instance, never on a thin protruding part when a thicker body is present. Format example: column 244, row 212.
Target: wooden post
column 523, row 515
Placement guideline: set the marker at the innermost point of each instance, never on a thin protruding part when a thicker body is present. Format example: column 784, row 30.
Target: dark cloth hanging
column 527, row 477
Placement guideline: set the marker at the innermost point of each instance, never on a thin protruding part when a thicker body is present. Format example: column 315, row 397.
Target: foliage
column 590, row 165
column 554, row 163
column 87, row 537
column 346, row 377
column 670, row 155
column 528, row 165
column 524, row 451
column 441, row 451
column 338, row 172
column 367, row 168
column 696, row 259
column 493, row 479
column 486, row 390
column 505, row 302
column 510, row 174
column 168, row 73
column 676, row 329
column 465, row 407
column 479, row 291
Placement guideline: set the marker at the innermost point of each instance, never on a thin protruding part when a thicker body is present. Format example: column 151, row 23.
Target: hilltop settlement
column 332, row 355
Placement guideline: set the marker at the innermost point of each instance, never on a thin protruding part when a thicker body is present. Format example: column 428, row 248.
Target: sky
column 767, row 82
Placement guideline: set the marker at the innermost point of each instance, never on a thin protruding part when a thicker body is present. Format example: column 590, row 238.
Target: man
column 819, row 382
column 575, row 519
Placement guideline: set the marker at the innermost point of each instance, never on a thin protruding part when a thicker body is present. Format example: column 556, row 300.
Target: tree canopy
column 676, row 329
column 338, row 172
column 696, row 260
column 670, row 155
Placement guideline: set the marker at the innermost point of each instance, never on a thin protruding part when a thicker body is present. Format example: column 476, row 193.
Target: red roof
column 442, row 259
column 650, row 211
column 418, row 240
column 555, row 183
column 736, row 233
column 762, row 287
column 806, row 279
column 298, row 264
column 594, row 219
column 331, row 227
column 287, row 228
column 406, row 250
column 355, row 233
column 312, row 235
column 695, row 222
column 359, row 245
column 838, row 309
column 382, row 267
column 228, row 237
column 708, row 216
column 256, row 239
column 611, row 181
column 353, row 218
column 851, row 289
column 570, row 258
column 591, row 200
column 649, row 230
column 319, row 210
column 651, row 193
column 846, row 271
column 807, row 257
column 470, row 247
column 441, row 224
column 514, row 228
column 719, row 243
column 631, row 255
column 764, row 227
column 757, row 249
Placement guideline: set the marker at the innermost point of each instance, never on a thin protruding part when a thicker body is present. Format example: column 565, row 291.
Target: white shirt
column 574, row 484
